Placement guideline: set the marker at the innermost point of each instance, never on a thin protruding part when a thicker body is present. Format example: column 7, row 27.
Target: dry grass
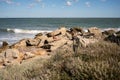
column 99, row 61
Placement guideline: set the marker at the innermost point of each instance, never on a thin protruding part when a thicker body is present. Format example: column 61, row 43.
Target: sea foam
column 26, row 31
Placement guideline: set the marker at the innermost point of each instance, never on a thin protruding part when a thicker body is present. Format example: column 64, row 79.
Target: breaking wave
column 26, row 31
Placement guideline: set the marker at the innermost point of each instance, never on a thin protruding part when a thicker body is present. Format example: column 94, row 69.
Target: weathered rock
column 113, row 38
column 57, row 44
column 50, row 39
column 46, row 46
column 84, row 41
column 11, row 56
column 77, row 29
column 97, row 32
column 38, row 36
column 21, row 43
column 28, row 55
column 61, row 31
column 39, row 52
column 4, row 46
column 68, row 35
column 118, row 33
column 108, row 32
column 32, row 42
column 88, row 35
column 41, row 39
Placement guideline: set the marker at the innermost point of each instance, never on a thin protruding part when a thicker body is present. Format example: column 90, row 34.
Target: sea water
column 15, row 29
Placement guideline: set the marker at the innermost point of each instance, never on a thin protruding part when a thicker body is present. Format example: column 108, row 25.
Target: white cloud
column 88, row 4
column 68, row 3
column 36, row 2
column 8, row 1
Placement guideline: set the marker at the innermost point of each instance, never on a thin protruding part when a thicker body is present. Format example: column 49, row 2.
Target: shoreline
column 28, row 32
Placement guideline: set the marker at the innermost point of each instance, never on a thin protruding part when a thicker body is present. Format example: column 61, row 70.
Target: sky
column 59, row 8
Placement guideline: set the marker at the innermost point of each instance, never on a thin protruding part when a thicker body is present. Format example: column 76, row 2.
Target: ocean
column 14, row 29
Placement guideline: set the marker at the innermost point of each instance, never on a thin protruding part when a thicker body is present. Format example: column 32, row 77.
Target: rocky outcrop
column 42, row 44
column 97, row 32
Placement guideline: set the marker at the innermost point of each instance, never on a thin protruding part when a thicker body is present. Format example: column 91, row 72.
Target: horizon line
column 59, row 17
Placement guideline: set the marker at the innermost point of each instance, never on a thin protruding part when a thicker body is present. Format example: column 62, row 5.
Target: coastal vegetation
column 99, row 61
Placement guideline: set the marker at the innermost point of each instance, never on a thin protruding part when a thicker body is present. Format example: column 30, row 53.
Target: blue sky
column 59, row 8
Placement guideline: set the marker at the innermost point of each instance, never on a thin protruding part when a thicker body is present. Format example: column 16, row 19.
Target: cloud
column 88, row 4
column 36, row 2
column 68, row 3
column 10, row 2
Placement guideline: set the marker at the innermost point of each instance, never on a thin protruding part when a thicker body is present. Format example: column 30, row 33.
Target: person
column 76, row 42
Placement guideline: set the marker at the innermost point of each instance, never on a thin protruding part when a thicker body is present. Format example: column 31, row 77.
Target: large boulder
column 61, row 31
column 4, row 46
column 38, row 36
column 84, row 42
column 118, row 33
column 108, row 32
column 94, row 30
column 38, row 51
column 68, row 35
column 58, row 43
column 28, row 55
column 21, row 43
column 11, row 56
column 77, row 29
column 31, row 51
column 41, row 39
column 114, row 38
column 32, row 42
